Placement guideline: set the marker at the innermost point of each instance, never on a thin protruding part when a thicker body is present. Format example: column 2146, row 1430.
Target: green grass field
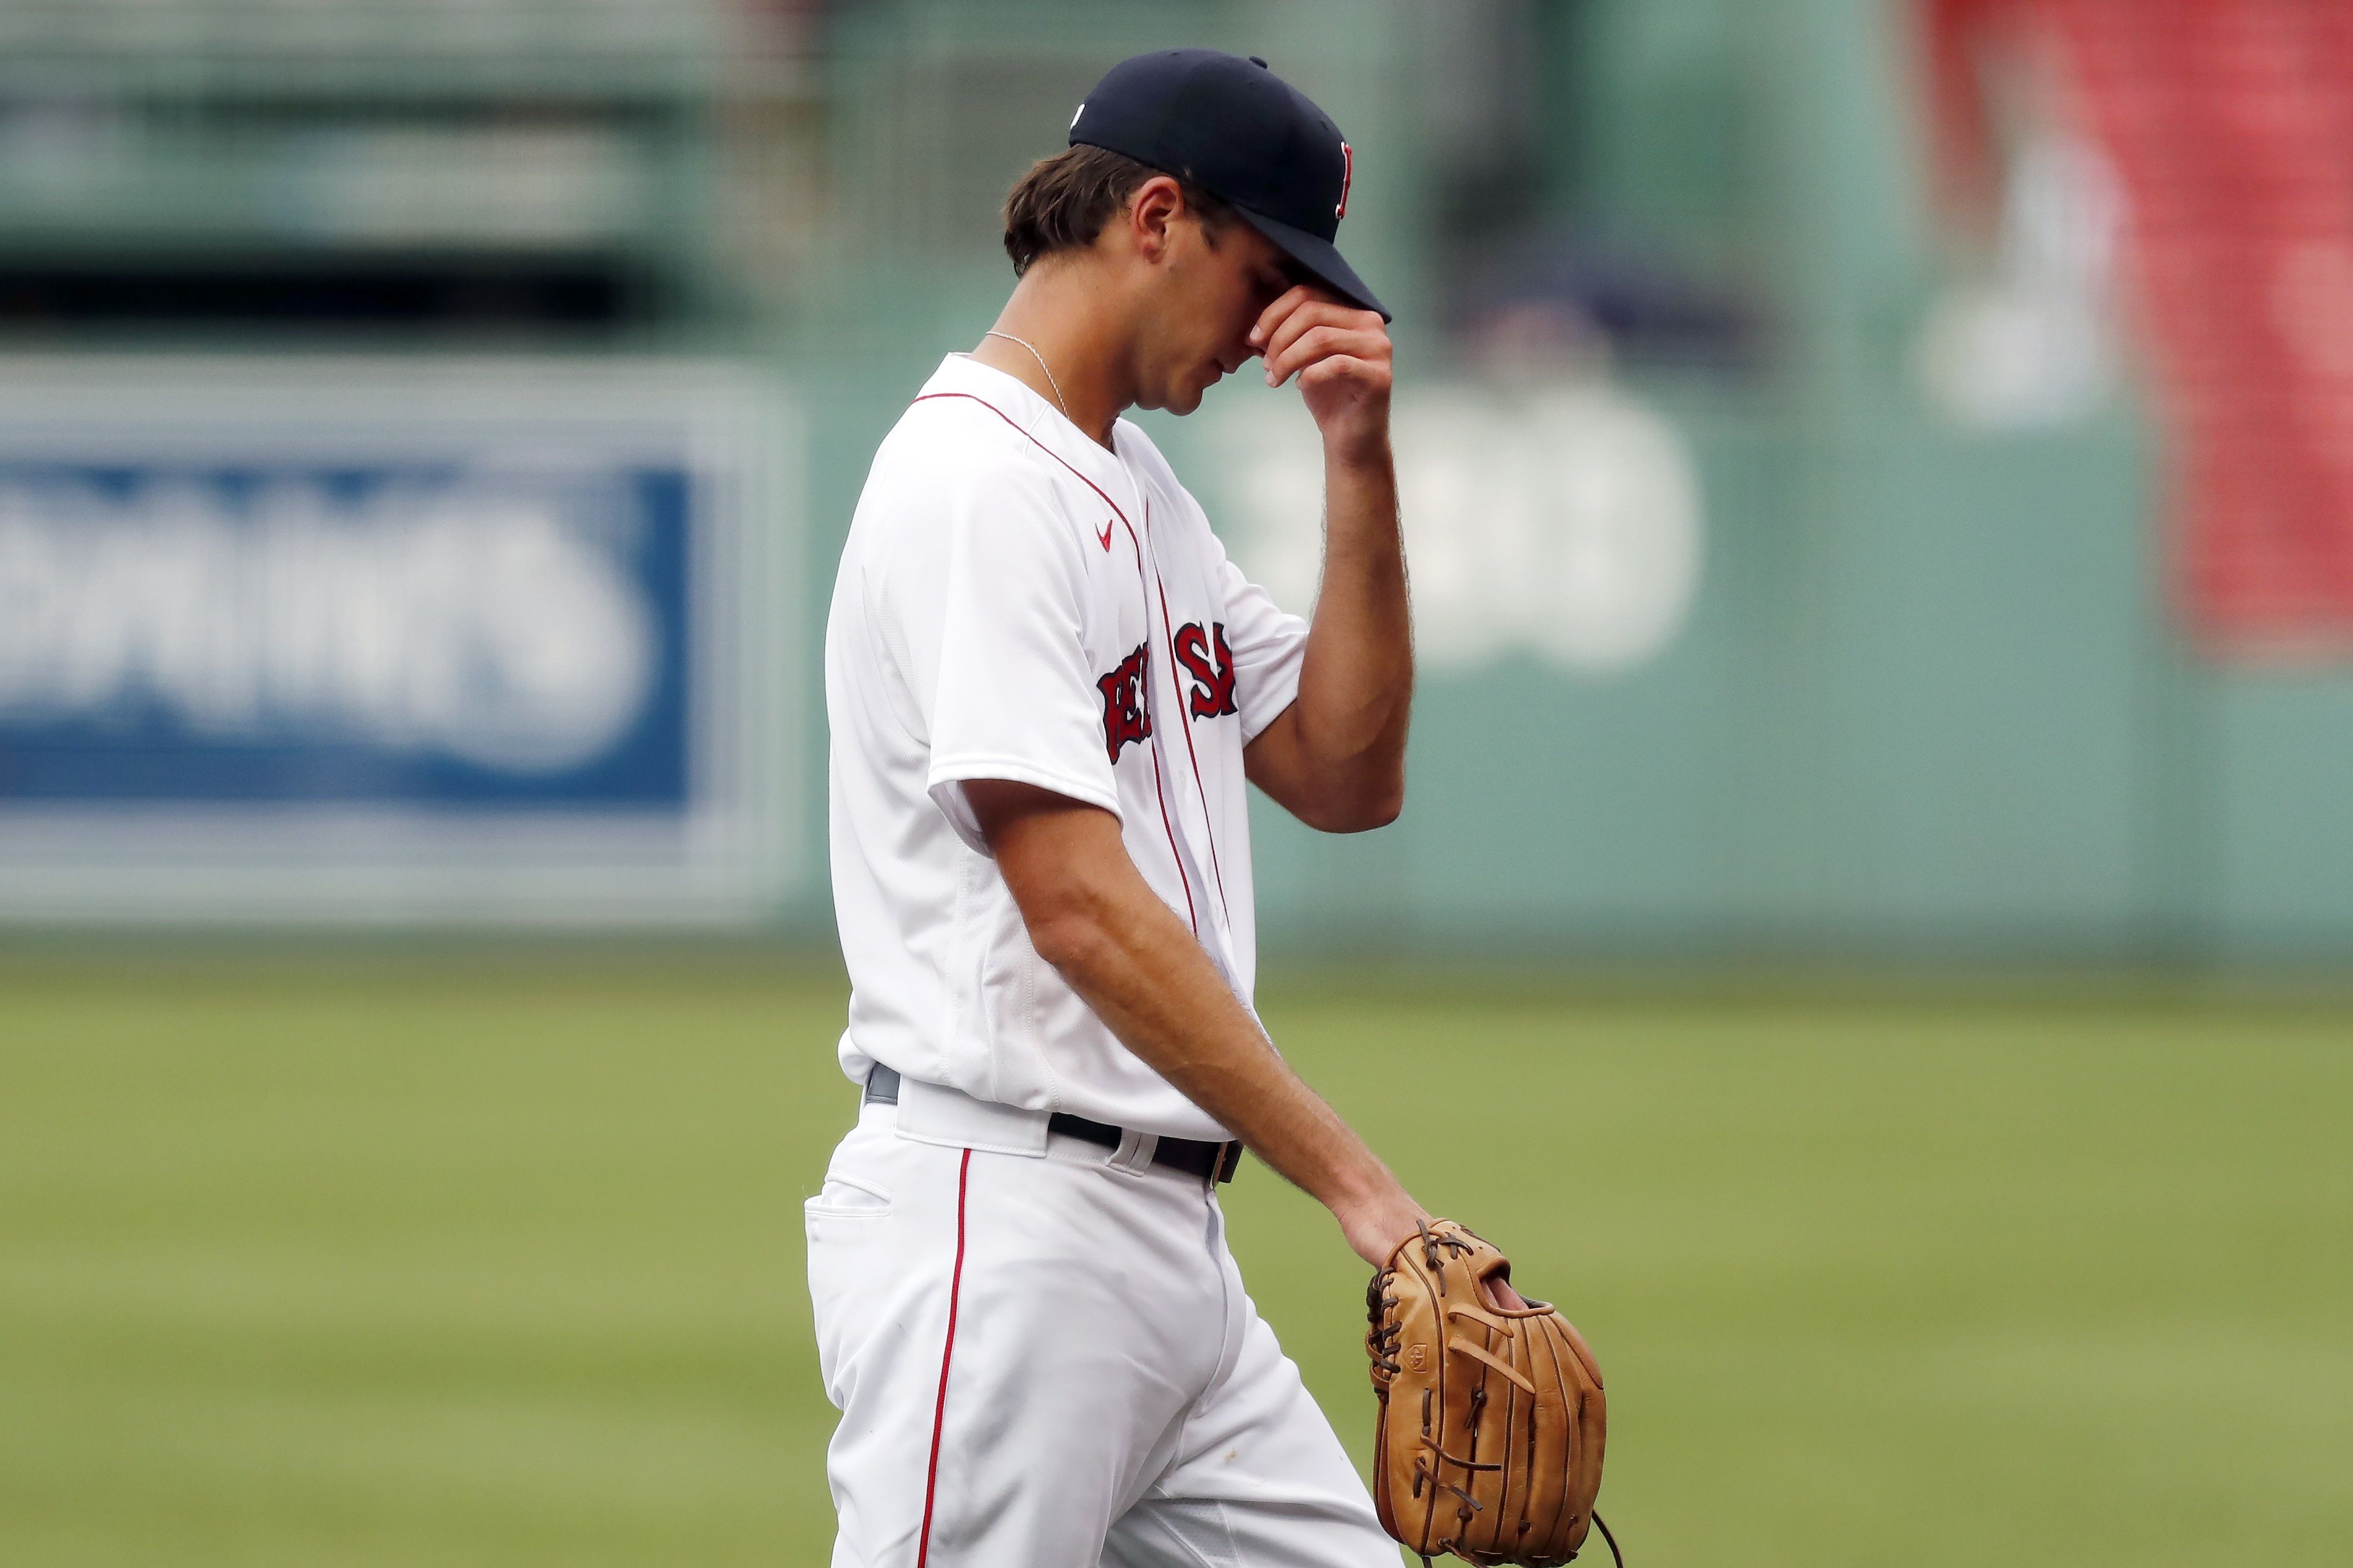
column 405, row 1263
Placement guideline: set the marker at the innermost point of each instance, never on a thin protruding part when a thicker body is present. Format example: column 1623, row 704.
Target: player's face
column 1219, row 286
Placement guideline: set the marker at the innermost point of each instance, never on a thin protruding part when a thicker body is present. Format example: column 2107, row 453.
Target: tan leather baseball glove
column 1492, row 1414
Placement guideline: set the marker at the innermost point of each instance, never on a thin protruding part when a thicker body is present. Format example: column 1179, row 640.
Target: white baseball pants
column 1044, row 1359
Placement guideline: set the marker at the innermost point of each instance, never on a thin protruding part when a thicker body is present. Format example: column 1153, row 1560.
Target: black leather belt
column 1193, row 1156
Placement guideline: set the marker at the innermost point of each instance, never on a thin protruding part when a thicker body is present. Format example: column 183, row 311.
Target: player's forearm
column 1356, row 684
column 1129, row 956
column 1145, row 976
column 1344, row 766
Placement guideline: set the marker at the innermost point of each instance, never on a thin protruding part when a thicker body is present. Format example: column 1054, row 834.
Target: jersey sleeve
column 1269, row 645
column 987, row 602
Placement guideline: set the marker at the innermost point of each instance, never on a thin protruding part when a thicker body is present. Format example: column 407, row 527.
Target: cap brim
column 1319, row 258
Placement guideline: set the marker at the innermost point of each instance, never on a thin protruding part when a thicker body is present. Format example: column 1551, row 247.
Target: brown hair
column 1063, row 202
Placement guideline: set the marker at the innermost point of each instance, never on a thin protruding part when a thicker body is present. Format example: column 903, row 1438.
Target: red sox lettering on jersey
column 1213, row 683
column 1126, row 718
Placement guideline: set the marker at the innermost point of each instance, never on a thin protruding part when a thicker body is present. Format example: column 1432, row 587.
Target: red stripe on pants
column 947, row 1354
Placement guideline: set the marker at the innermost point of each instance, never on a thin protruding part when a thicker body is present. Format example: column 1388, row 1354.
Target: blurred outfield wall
column 1737, row 638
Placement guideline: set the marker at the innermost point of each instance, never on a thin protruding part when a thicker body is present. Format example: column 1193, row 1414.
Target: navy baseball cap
column 1245, row 135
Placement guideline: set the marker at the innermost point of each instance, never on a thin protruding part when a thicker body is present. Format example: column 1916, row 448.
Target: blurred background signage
column 387, row 639
column 1559, row 521
column 1877, row 473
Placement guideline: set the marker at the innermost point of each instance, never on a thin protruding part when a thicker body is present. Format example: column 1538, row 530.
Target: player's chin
column 1186, row 396
column 1209, row 376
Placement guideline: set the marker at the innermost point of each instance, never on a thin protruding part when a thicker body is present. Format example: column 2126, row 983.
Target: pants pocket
column 845, row 1224
column 846, row 1198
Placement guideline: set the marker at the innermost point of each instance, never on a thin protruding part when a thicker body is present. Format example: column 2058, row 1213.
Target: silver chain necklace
column 1041, row 364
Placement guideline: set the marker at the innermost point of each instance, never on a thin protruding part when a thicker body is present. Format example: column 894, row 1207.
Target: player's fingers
column 1275, row 314
column 1311, row 311
column 1366, row 375
column 1271, row 319
column 1317, row 314
column 1320, row 342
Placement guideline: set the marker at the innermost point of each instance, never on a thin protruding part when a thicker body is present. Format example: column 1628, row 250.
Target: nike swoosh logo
column 1106, row 538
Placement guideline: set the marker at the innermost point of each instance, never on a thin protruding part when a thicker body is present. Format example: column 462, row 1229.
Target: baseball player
column 1047, row 687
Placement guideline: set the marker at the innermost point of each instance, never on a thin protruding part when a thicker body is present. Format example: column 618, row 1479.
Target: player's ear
column 1158, row 204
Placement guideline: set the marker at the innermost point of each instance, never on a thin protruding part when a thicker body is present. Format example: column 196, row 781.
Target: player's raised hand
column 1340, row 356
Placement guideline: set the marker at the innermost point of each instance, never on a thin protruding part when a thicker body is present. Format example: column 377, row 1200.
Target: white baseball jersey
column 1017, row 602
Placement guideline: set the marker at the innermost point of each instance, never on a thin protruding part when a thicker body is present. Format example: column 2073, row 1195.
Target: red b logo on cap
column 1347, row 172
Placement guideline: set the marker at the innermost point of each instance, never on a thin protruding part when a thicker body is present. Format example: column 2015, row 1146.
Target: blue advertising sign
column 391, row 640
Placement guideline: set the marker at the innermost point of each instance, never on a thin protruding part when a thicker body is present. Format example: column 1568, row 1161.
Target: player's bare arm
column 1336, row 758
column 1092, row 916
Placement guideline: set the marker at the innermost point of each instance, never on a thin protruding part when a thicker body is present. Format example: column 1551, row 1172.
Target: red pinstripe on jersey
column 1169, row 632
